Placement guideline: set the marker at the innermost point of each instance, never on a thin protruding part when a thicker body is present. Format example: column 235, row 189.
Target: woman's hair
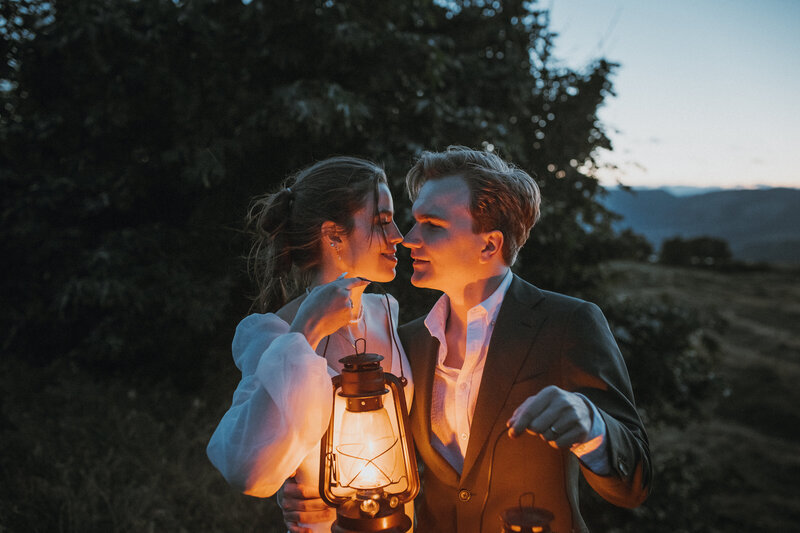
column 286, row 225
column 502, row 197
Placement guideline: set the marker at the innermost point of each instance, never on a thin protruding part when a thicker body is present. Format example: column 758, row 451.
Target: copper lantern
column 368, row 467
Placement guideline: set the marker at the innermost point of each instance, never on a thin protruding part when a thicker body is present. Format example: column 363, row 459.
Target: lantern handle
column 363, row 345
column 521, row 496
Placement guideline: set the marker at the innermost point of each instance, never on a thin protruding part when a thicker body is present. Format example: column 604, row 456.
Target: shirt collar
column 437, row 318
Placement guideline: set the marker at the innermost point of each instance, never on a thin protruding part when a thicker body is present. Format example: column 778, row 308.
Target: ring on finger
column 554, row 431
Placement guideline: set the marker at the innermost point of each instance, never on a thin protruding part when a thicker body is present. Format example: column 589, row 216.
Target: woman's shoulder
column 265, row 326
column 257, row 325
column 260, row 321
column 253, row 335
column 289, row 311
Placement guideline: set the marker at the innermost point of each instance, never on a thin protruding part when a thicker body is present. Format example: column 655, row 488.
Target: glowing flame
column 368, row 454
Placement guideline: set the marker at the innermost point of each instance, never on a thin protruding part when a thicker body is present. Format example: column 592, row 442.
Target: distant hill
column 759, row 225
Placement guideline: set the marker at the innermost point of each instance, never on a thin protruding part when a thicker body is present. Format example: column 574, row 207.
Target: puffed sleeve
column 280, row 409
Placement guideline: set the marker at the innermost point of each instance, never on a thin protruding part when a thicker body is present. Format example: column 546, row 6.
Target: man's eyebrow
column 429, row 217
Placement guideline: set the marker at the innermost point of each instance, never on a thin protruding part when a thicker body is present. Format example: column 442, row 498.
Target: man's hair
column 502, row 196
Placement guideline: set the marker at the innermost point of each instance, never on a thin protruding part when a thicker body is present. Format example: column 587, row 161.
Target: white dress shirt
column 455, row 390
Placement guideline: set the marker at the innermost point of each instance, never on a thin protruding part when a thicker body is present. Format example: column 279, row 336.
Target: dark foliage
column 699, row 251
column 133, row 134
column 670, row 354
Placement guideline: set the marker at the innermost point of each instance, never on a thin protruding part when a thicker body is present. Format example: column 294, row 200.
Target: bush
column 670, row 353
column 699, row 251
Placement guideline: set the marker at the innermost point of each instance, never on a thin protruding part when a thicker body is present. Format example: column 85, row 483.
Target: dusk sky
column 708, row 91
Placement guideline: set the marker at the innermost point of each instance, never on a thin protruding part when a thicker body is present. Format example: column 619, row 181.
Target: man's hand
column 561, row 418
column 301, row 504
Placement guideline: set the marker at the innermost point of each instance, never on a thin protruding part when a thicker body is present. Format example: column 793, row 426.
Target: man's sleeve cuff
column 592, row 453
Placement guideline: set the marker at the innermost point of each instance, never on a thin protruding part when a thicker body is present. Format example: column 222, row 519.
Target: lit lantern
column 368, row 469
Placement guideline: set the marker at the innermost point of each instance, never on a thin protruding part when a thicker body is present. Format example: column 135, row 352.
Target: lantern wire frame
column 402, row 485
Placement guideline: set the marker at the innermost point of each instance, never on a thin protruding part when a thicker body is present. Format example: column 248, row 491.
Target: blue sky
column 708, row 91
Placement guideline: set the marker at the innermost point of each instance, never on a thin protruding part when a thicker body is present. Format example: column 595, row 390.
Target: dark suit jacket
column 540, row 338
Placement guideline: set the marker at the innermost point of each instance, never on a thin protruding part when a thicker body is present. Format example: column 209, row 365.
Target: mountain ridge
column 758, row 224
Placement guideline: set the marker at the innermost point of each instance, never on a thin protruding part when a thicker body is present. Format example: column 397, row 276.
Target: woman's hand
column 326, row 309
column 301, row 504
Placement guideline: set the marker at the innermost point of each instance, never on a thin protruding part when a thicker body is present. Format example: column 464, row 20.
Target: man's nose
column 411, row 240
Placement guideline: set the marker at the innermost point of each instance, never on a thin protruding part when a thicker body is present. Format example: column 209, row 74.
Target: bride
column 317, row 244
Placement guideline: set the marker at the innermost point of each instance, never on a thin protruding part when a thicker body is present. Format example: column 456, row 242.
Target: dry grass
column 82, row 455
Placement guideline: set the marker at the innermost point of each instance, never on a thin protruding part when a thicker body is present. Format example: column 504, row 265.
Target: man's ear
column 493, row 247
column 331, row 232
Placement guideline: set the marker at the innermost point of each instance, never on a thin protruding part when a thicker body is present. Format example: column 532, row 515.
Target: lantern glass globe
column 369, row 456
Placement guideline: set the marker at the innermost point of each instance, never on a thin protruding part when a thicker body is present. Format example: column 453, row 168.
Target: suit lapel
column 423, row 350
column 514, row 332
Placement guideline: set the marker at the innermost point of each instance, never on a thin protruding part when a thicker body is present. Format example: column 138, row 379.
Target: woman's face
column 369, row 251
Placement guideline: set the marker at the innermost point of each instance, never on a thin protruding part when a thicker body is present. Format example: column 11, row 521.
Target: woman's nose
column 394, row 236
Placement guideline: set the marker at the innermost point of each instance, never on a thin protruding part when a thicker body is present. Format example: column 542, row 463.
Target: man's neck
column 471, row 295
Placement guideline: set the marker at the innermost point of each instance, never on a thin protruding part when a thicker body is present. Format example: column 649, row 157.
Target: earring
column 338, row 252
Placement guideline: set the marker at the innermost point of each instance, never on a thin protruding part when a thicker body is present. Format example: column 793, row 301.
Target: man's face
column 443, row 246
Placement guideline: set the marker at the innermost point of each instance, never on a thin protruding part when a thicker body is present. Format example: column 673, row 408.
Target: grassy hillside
column 79, row 454
column 745, row 454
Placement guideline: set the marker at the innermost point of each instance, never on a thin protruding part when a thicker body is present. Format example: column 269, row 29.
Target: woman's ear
column 331, row 232
column 493, row 247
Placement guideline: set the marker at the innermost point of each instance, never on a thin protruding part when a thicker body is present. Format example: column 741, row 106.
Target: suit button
column 464, row 495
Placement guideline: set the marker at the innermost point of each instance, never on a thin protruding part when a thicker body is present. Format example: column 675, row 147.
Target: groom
column 517, row 390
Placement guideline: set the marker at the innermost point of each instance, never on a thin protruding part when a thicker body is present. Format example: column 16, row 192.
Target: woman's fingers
column 351, row 283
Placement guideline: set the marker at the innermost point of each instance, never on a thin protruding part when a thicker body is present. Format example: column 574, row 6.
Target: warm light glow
column 368, row 455
column 368, row 469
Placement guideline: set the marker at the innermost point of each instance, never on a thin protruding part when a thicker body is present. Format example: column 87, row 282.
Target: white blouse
column 282, row 405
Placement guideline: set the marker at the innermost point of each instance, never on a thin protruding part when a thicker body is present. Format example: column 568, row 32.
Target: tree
column 134, row 132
